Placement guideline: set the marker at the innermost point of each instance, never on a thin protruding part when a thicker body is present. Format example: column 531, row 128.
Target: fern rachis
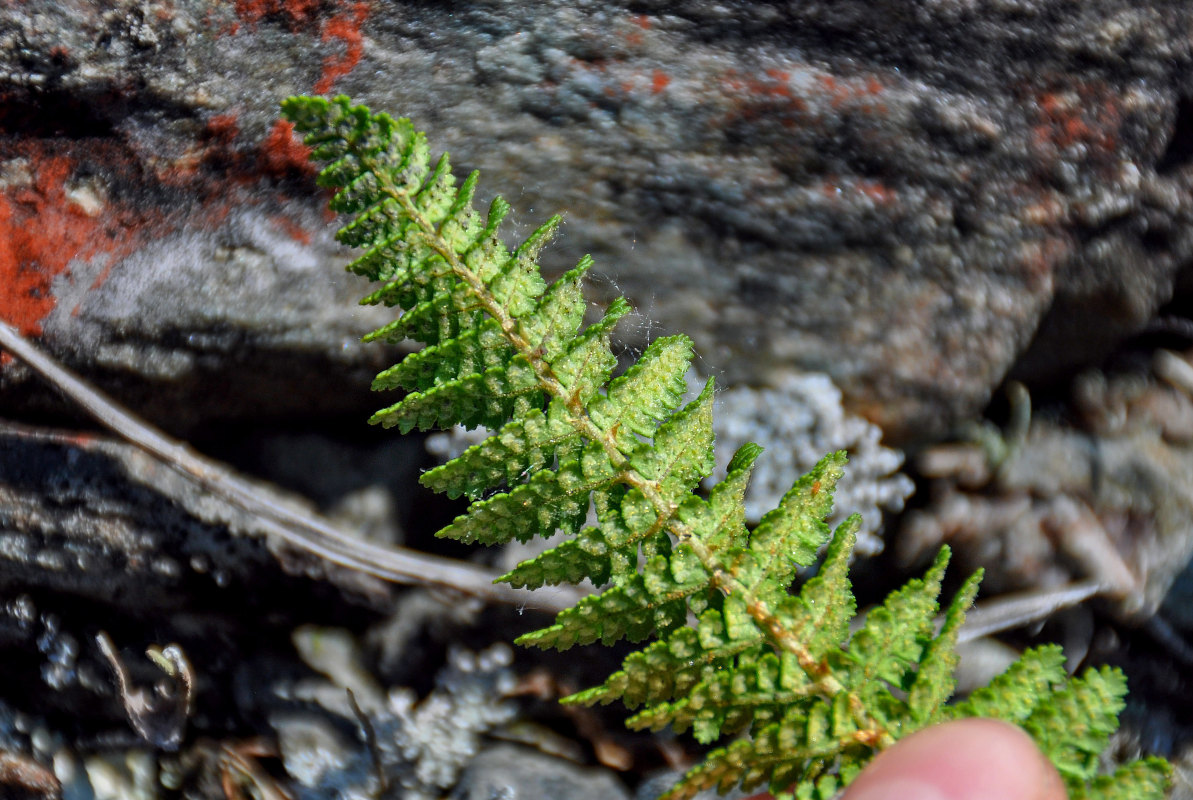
column 808, row 702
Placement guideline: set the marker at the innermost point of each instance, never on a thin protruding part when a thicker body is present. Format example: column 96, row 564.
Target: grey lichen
column 797, row 419
column 405, row 747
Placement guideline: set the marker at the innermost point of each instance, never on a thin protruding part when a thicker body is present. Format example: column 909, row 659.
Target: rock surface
column 915, row 198
column 96, row 535
column 517, row 773
column 896, row 194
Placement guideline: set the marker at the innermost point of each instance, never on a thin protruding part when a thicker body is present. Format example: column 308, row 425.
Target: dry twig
column 305, row 531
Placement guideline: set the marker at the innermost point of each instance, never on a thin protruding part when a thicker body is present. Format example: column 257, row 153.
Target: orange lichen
column 42, row 229
column 835, row 188
column 299, row 13
column 843, row 92
column 344, row 27
column 659, row 81
column 291, row 228
column 283, row 153
column 222, row 128
column 1087, row 116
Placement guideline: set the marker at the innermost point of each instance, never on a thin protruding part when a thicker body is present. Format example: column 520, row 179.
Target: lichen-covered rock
column 797, row 421
column 415, row 748
column 897, row 194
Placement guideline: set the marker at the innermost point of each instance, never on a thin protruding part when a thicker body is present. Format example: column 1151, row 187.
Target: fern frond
column 520, row 448
column 737, row 649
column 1015, row 693
column 1145, row 779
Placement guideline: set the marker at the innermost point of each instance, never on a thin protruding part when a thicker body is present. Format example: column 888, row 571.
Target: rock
column 899, row 205
column 516, row 773
column 95, row 535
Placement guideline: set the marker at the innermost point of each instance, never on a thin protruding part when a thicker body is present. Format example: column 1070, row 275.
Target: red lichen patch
column 635, row 36
column 659, row 81
column 298, row 14
column 222, row 128
column 42, row 229
column 344, row 27
column 843, row 92
column 766, row 97
column 282, row 153
column 838, row 189
column 777, row 98
column 1088, row 117
column 291, row 228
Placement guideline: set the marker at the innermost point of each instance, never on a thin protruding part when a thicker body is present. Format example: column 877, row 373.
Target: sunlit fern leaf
column 728, row 700
column 680, row 661
column 789, row 536
column 647, row 393
column 521, row 447
column 1145, row 779
column 891, row 642
column 620, row 612
column 934, row 682
column 586, row 362
column 723, row 515
column 473, row 352
column 681, row 453
column 547, row 502
column 780, row 750
column 557, row 313
column 725, row 701
column 481, row 399
column 1015, row 693
column 737, row 649
column 571, row 561
column 820, row 613
column 1073, row 725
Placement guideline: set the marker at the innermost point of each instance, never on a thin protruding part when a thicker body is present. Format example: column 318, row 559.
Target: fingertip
column 969, row 759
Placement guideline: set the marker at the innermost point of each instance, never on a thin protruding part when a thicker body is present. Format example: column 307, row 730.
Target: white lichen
column 797, row 420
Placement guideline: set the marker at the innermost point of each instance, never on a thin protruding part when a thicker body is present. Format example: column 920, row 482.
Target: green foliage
column 738, row 646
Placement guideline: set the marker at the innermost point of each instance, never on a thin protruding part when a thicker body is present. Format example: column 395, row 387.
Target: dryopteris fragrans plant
column 734, row 651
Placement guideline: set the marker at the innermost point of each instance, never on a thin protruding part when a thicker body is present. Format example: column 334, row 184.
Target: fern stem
column 816, row 670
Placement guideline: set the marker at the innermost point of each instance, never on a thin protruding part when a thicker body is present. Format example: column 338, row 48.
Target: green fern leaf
column 648, row 392
column 572, row 561
column 520, row 448
column 736, row 651
column 1073, row 725
column 549, row 501
column 681, row 454
column 1145, row 779
column 789, row 537
column 628, row 611
column 1013, row 695
column 934, row 682
column 484, row 399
